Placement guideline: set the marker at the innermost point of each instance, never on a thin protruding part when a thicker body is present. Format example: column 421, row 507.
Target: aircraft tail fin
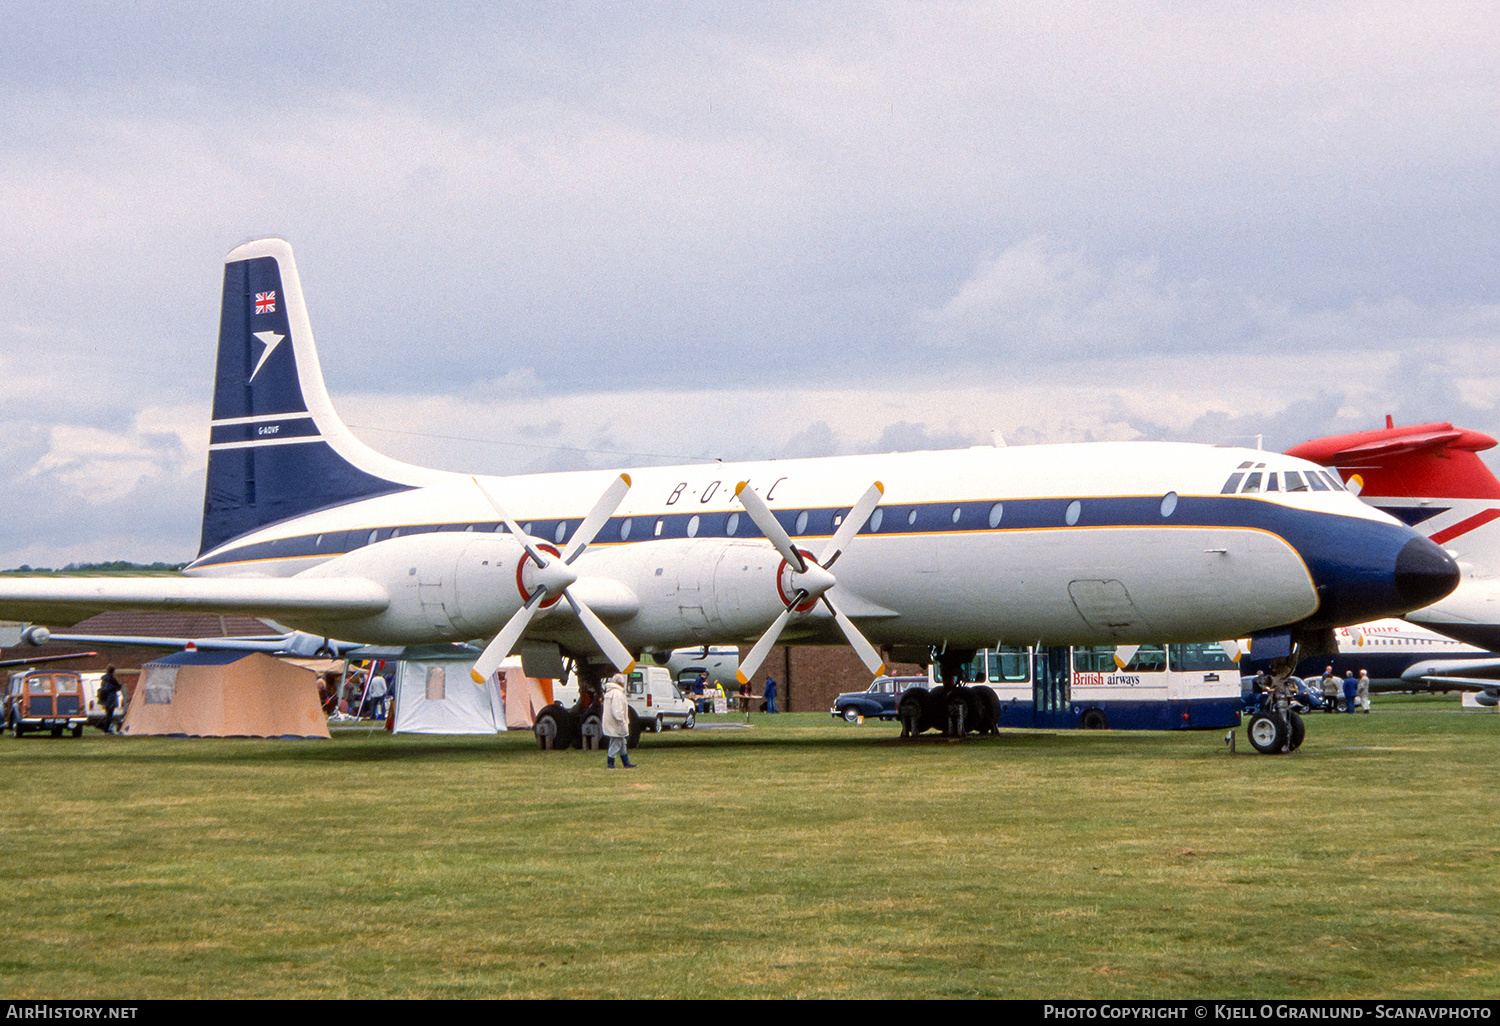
column 276, row 447
column 1429, row 476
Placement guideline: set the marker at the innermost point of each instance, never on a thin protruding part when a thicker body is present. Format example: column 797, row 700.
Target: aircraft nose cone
column 1424, row 573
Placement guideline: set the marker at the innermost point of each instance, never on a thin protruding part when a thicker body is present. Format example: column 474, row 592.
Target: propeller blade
column 500, row 646
column 597, row 518
column 857, row 641
column 515, row 529
column 757, row 655
column 763, row 518
column 855, row 520
column 1123, row 655
column 602, row 635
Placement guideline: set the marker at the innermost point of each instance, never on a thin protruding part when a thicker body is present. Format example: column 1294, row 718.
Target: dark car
column 879, row 699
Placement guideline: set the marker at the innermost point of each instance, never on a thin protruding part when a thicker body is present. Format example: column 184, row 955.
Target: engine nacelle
column 450, row 585
column 36, row 635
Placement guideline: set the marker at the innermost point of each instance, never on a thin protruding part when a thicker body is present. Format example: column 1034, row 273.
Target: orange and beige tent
column 225, row 694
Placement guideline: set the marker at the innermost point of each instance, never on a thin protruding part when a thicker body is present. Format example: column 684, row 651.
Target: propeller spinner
column 544, row 575
column 804, row 581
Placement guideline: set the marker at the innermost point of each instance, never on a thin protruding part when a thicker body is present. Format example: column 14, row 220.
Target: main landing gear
column 558, row 726
column 953, row 708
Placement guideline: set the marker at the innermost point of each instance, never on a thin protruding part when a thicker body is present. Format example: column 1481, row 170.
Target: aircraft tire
column 554, row 723
column 1267, row 733
column 984, row 710
column 1296, row 731
column 591, row 726
column 956, row 713
column 909, row 712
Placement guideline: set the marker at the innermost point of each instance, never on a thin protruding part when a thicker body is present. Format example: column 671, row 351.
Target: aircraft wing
column 67, row 600
column 1462, row 683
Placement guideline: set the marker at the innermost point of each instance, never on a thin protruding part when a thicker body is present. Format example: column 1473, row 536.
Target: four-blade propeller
column 808, row 580
column 543, row 575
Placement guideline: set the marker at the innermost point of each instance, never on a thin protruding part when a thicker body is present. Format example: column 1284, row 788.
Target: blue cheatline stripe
column 897, row 520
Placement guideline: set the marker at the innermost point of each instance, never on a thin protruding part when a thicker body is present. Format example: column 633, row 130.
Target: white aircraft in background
column 948, row 551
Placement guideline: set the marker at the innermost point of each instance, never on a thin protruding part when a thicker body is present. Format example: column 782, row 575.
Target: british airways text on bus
column 1160, row 687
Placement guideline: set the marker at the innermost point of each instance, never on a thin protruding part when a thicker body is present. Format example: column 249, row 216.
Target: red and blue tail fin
column 1427, row 475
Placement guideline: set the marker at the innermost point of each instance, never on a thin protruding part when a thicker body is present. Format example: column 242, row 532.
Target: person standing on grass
column 615, row 721
column 1330, row 691
column 1351, row 688
column 770, row 694
column 109, row 697
column 1363, row 691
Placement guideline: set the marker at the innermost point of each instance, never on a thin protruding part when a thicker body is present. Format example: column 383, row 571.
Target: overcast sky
column 551, row 235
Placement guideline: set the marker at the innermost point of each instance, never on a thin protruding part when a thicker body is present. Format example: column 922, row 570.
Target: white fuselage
column 969, row 547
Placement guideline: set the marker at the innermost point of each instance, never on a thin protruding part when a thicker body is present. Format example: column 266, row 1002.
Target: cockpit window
column 1252, row 484
column 1334, row 480
column 1232, row 485
column 1294, row 482
column 1271, row 482
column 1318, row 485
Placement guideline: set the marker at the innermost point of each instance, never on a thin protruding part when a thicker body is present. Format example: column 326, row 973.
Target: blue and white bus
column 1158, row 687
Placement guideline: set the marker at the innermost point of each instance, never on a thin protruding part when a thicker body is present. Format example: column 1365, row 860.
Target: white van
column 656, row 700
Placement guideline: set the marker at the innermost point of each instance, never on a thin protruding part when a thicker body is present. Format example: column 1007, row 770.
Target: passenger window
column 660, row 523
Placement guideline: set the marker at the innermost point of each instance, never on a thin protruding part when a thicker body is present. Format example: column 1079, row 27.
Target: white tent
column 439, row 696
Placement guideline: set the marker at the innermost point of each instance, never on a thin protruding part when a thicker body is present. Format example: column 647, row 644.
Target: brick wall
column 808, row 677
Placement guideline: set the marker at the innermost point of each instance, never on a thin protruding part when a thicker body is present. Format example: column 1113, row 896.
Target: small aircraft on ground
column 930, row 555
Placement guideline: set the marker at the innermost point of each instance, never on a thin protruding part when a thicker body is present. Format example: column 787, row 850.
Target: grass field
column 801, row 857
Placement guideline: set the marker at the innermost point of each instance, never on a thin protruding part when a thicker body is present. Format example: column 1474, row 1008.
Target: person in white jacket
column 615, row 721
